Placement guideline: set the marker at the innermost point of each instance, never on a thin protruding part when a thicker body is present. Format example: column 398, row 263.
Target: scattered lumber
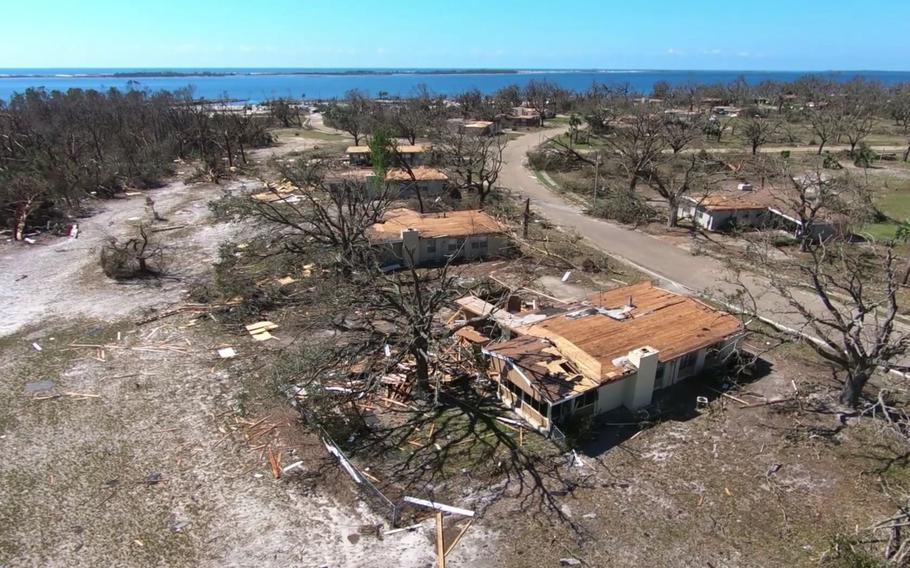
column 438, row 506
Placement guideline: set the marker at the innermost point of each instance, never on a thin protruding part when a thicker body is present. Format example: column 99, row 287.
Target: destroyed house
column 405, row 235
column 616, row 349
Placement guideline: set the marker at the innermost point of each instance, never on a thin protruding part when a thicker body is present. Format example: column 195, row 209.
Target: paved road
column 675, row 268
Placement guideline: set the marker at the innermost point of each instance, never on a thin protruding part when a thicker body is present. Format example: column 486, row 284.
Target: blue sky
column 637, row 34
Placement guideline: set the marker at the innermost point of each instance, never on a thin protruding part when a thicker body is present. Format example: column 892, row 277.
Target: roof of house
column 421, row 173
column 730, row 202
column 479, row 124
column 549, row 376
column 405, row 149
column 596, row 336
column 433, row 225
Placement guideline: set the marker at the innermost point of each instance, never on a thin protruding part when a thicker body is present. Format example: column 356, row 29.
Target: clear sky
column 628, row 34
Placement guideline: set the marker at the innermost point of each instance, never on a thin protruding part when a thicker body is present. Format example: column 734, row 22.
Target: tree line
column 58, row 149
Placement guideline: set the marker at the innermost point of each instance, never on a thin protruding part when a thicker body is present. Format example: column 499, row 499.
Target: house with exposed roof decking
column 615, row 349
column 407, row 236
column 412, row 154
column 430, row 182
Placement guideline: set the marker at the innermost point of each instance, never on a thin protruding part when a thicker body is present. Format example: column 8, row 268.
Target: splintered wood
column 259, row 331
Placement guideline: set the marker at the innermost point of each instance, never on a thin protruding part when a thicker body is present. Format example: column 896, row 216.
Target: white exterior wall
column 611, row 395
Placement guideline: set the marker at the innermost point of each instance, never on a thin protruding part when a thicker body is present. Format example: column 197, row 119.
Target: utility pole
column 596, row 175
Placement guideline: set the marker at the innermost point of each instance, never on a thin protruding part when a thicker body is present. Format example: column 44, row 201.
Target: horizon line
column 469, row 68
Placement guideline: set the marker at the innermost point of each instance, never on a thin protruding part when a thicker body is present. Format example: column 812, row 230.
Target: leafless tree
column 335, row 215
column 827, row 124
column 680, row 132
column 758, row 131
column 812, row 196
column 847, row 303
column 473, row 161
column 857, row 126
column 353, row 115
column 677, row 179
column 540, row 95
column 637, row 144
column 411, row 299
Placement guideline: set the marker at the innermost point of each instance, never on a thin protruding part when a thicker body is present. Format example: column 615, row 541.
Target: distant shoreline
column 276, row 73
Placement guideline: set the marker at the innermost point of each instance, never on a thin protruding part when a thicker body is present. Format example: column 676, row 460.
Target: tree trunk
column 527, row 219
column 419, row 351
column 672, row 213
column 907, row 153
column 754, row 148
column 821, row 147
column 906, row 276
column 853, row 388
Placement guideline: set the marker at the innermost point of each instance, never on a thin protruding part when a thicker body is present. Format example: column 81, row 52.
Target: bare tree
column 857, row 126
column 335, row 215
column 637, row 145
column 540, row 95
column 847, row 302
column 411, row 299
column 680, row 132
column 827, row 123
column 810, row 197
column 678, row 179
column 758, row 131
column 473, row 161
column 353, row 115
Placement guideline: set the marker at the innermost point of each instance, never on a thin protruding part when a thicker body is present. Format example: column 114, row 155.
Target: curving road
column 676, row 269
column 674, row 266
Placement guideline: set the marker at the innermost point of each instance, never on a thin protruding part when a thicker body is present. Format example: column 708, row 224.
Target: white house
column 406, row 236
column 429, row 181
column 616, row 349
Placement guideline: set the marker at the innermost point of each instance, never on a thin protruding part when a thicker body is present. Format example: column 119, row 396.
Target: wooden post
column 440, row 546
column 527, row 218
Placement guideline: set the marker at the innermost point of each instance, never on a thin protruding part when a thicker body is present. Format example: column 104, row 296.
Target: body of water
column 256, row 85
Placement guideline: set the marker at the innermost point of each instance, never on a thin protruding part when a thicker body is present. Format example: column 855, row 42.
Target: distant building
column 741, row 205
column 476, row 127
column 615, row 349
column 429, row 181
column 406, row 236
column 413, row 155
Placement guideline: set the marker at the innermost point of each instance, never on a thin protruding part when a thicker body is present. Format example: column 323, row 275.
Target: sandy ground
column 137, row 453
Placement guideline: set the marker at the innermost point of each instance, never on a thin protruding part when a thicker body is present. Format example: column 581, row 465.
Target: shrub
column 624, row 207
column 137, row 257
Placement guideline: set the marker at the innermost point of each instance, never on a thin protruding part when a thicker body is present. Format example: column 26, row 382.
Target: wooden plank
column 438, row 506
column 457, row 539
column 440, row 545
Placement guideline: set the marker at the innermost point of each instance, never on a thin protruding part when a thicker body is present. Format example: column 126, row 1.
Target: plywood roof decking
column 673, row 324
column 433, row 225
column 732, row 202
column 406, row 149
column 421, row 173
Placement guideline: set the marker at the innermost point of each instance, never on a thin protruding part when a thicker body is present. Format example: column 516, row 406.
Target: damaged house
column 429, row 239
column 615, row 349
column 412, row 155
column 430, row 182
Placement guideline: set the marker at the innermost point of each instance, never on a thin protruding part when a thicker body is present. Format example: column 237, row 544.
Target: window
column 688, row 360
column 431, row 247
column 660, row 376
column 587, row 399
